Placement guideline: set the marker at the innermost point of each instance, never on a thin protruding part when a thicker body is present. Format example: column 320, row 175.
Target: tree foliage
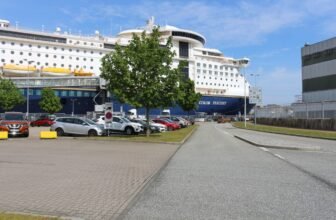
column 49, row 101
column 188, row 98
column 10, row 96
column 141, row 73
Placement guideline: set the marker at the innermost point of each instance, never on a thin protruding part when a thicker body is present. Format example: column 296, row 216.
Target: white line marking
column 279, row 156
column 264, row 149
column 227, row 133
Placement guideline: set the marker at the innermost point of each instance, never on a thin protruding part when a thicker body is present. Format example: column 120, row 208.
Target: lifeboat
column 55, row 72
column 13, row 70
column 81, row 72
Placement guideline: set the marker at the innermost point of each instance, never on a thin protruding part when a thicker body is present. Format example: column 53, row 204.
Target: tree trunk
column 147, row 122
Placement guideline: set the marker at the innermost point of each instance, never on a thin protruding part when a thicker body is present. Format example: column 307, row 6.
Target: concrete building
column 318, row 80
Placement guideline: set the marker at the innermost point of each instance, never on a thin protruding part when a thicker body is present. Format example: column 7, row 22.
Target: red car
column 42, row 122
column 170, row 124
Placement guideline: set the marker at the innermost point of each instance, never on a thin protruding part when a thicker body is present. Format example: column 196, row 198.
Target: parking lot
column 75, row 177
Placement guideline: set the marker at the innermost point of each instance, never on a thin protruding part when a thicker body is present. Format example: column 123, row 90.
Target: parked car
column 77, row 126
column 121, row 124
column 182, row 122
column 154, row 127
column 100, row 120
column 170, row 124
column 42, row 121
column 15, row 124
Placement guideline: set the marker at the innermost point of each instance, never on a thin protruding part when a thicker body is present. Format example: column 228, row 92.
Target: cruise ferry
column 47, row 58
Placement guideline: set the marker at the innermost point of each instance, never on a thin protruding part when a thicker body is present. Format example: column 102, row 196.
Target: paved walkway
column 216, row 176
column 78, row 178
column 280, row 141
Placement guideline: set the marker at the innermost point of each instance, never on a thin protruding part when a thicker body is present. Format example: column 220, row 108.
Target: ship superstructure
column 54, row 58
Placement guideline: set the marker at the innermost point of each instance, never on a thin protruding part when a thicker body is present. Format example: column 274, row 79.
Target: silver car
column 78, row 126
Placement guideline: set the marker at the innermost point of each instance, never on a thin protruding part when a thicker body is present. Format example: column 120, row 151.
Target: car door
column 68, row 125
column 80, row 126
column 117, row 124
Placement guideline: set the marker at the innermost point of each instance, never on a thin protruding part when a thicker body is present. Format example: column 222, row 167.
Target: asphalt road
column 216, row 176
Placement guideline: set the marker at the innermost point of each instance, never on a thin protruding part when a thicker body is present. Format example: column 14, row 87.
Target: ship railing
column 41, row 82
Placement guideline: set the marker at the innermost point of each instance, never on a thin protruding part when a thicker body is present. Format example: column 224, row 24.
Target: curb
column 294, row 135
column 277, row 147
column 43, row 216
column 126, row 206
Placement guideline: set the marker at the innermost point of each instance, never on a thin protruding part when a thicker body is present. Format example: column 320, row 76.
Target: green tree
column 188, row 98
column 141, row 73
column 49, row 101
column 10, row 96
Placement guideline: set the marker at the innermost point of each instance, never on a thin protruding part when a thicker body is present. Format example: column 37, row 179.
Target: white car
column 121, row 124
column 100, row 120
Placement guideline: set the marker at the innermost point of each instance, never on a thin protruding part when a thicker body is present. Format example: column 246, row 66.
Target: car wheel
column 92, row 133
column 32, row 125
column 59, row 132
column 26, row 135
column 170, row 128
column 129, row 130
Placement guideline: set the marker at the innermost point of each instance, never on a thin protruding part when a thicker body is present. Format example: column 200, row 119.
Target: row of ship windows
column 215, row 66
column 216, row 73
column 47, row 64
column 47, row 47
column 216, row 78
column 215, row 84
column 61, row 93
column 46, row 55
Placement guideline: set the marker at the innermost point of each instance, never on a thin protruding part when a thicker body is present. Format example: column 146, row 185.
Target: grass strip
column 8, row 216
column 165, row 137
column 288, row 131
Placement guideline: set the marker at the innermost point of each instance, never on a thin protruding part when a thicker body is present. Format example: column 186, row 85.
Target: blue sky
column 269, row 32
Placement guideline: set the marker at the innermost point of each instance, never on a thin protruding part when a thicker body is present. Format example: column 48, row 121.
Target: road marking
column 279, row 156
column 225, row 132
column 264, row 149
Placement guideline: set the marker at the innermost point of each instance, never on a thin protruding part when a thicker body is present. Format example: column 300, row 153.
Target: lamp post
column 255, row 87
column 73, row 106
column 243, row 63
column 28, row 87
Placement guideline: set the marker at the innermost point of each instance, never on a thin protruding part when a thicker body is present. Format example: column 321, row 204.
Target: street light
column 28, row 81
column 243, row 63
column 255, row 87
column 73, row 106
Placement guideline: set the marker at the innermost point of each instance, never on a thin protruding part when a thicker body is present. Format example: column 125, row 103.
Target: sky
column 270, row 33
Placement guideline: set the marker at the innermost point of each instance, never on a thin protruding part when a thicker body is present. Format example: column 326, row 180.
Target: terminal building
column 318, row 80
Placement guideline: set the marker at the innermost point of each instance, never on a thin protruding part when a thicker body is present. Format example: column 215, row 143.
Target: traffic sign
column 108, row 116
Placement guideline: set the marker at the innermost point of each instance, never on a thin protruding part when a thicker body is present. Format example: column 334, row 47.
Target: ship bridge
column 58, row 82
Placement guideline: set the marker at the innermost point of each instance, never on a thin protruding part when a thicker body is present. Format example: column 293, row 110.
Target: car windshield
column 89, row 121
column 14, row 117
column 168, row 120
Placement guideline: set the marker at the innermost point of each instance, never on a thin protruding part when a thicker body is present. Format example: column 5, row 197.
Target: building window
column 55, row 48
column 21, row 61
column 91, row 52
column 38, row 63
column 62, row 49
column 64, row 93
column 71, row 93
column 38, row 46
column 62, row 57
column 38, row 55
column 91, row 60
column 84, row 59
column 204, row 71
column 47, row 64
column 47, row 47
column 54, row 64
column 210, row 66
column 12, row 52
column 91, row 67
column 12, row 61
column 198, row 64
column 70, row 50
column 3, row 60
column 62, row 65
column 46, row 55
column 21, row 44
column 21, row 53
column 55, row 56
column 29, row 54
column 12, row 43
column 79, row 93
column 77, row 58
column 184, row 49
column 30, row 45
column 3, row 42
